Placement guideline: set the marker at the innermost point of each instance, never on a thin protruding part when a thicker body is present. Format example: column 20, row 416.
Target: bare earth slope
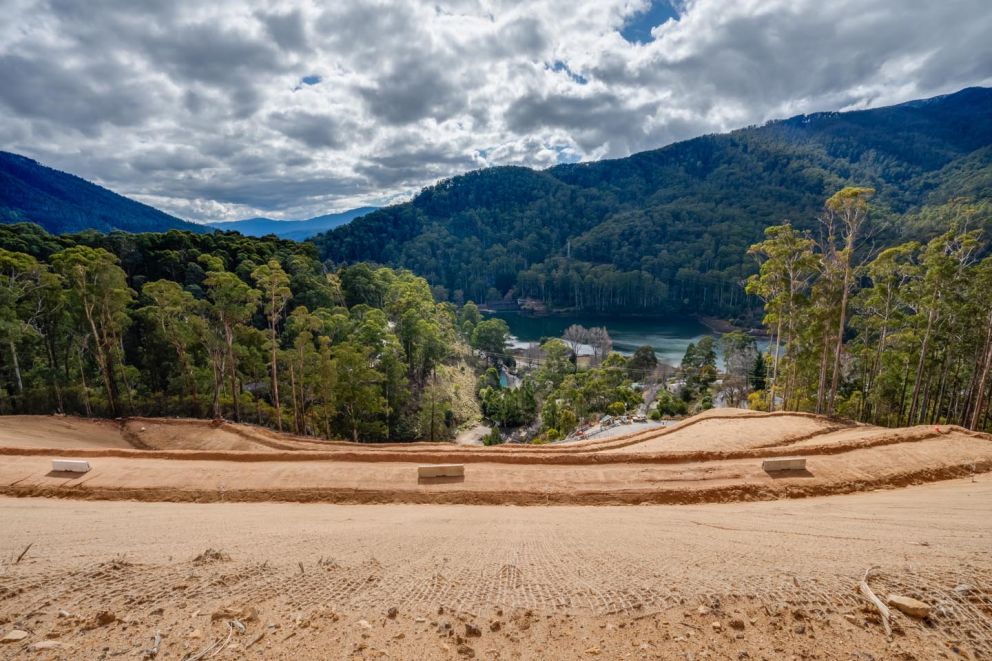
column 714, row 457
column 765, row 580
column 235, row 569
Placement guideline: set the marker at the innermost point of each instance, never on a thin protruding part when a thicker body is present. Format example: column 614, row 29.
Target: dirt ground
column 767, row 580
column 715, row 457
column 195, row 539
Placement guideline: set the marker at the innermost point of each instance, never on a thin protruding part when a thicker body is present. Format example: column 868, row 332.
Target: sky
column 222, row 110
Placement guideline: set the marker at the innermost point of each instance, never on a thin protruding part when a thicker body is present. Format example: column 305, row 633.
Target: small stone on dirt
column 465, row 650
column 737, row 623
column 392, row 612
column 471, row 630
column 46, row 645
column 716, row 626
column 364, row 624
column 13, row 636
column 909, row 606
column 104, row 618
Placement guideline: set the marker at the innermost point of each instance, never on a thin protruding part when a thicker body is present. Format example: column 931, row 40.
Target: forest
column 225, row 326
column 668, row 230
column 898, row 335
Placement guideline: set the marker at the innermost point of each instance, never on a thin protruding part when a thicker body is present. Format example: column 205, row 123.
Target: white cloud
column 199, row 109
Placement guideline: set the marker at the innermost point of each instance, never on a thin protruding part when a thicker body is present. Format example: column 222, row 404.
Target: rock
column 364, row 624
column 593, row 651
column 495, row 626
column 963, row 589
column 13, row 636
column 64, row 613
column 716, row 627
column 737, row 623
column 909, row 606
column 196, row 634
column 103, row 618
column 465, row 650
column 472, row 631
column 420, row 620
column 850, row 618
column 392, row 612
column 46, row 645
column 703, row 610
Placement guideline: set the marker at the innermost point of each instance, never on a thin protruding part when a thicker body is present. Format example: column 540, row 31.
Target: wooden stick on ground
column 883, row 610
column 21, row 556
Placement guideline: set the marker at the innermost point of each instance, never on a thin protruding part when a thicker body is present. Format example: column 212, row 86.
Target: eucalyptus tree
column 99, row 299
column 232, row 304
column 273, row 284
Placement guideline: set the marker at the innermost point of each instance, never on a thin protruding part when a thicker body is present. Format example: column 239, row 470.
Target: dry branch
column 883, row 610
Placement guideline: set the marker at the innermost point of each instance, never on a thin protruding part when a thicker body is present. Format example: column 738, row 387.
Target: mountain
column 668, row 230
column 61, row 202
column 297, row 230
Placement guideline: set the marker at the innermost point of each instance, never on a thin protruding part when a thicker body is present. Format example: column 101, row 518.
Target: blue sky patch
column 561, row 66
column 310, row 80
column 637, row 29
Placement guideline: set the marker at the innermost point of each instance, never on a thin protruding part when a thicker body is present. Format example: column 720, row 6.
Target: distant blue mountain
column 297, row 230
column 61, row 202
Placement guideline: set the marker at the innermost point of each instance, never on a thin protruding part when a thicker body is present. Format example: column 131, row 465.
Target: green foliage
column 491, row 336
column 191, row 325
column 905, row 339
column 642, row 364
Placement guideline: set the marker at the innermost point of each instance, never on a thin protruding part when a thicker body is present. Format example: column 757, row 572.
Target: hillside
column 297, row 230
column 668, row 230
column 61, row 202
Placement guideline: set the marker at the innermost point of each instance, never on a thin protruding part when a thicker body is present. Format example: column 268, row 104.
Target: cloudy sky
column 225, row 109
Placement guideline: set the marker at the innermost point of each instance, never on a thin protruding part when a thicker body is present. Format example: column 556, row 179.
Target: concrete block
column 441, row 470
column 70, row 465
column 784, row 464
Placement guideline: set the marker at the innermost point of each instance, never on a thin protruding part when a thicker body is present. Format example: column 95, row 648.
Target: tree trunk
column 976, row 412
column 835, row 378
column 922, row 361
column 275, row 374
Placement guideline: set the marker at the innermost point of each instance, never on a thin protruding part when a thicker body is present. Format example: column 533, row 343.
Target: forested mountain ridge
column 62, row 202
column 669, row 229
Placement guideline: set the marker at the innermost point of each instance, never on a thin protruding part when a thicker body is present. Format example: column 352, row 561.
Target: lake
column 668, row 336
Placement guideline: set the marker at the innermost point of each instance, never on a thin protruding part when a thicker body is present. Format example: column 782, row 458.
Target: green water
column 668, row 336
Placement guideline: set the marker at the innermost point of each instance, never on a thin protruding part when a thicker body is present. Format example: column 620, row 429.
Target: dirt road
column 741, row 580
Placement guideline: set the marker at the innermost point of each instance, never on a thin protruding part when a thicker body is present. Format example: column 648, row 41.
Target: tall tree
column 232, row 304
column 846, row 214
column 99, row 297
column 273, row 283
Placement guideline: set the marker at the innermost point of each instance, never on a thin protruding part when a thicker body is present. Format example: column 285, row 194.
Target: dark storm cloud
column 43, row 90
column 246, row 107
column 288, row 30
column 412, row 90
column 311, row 130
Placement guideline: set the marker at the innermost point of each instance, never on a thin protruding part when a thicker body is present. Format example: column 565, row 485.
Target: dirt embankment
column 714, row 457
column 288, row 581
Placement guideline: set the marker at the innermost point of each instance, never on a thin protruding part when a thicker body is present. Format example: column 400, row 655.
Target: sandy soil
column 716, row 457
column 768, row 580
column 42, row 431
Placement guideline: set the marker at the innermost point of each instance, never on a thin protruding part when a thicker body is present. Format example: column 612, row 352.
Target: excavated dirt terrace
column 254, row 544
column 713, row 457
